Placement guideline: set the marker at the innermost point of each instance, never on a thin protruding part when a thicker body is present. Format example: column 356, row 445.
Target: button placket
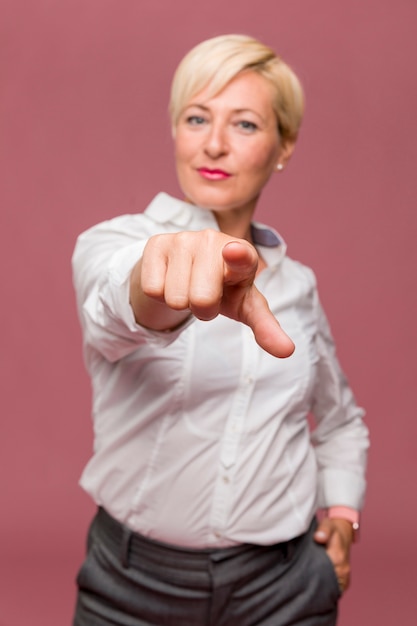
column 233, row 430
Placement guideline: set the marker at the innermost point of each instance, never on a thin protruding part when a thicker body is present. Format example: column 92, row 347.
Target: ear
column 286, row 150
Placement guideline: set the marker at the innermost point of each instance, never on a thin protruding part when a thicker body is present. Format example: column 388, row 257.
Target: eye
column 195, row 120
column 249, row 127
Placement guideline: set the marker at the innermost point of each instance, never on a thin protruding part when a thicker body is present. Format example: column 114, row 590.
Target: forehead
column 247, row 91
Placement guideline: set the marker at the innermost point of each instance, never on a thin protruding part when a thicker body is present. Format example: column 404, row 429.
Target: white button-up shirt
column 201, row 438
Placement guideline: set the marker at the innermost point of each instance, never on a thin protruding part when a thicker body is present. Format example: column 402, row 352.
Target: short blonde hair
column 215, row 62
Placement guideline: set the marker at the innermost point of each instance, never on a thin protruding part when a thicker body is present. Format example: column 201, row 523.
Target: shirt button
column 226, row 480
column 217, row 534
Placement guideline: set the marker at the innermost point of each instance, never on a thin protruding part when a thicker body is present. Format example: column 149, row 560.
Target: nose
column 216, row 141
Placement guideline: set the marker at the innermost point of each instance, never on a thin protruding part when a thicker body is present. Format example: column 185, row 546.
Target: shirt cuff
column 344, row 512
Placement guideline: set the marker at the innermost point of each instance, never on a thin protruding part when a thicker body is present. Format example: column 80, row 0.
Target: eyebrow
column 241, row 110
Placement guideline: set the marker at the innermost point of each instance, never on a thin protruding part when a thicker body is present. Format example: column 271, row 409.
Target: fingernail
column 320, row 534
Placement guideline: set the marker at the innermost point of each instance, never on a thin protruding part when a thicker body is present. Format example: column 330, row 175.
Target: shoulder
column 300, row 272
column 128, row 225
column 164, row 214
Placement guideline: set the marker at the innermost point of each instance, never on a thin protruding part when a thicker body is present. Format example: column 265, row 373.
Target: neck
column 235, row 223
column 238, row 224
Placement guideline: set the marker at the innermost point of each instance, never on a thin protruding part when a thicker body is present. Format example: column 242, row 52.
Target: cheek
column 180, row 148
column 185, row 144
column 262, row 155
column 262, row 163
column 182, row 159
column 179, row 151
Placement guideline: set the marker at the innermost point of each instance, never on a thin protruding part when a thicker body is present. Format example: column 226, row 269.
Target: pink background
column 84, row 135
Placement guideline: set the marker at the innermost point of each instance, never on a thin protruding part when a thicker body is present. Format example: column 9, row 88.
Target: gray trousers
column 129, row 580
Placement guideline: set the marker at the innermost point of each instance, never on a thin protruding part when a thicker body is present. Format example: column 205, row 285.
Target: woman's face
column 227, row 146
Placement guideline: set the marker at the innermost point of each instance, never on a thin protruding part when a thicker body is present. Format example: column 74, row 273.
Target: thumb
column 323, row 531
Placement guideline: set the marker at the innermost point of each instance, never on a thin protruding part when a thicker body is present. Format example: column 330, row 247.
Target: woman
column 204, row 470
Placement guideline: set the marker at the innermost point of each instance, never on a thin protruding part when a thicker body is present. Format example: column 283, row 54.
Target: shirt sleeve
column 102, row 262
column 341, row 437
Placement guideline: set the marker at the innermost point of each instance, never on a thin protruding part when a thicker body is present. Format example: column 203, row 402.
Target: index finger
column 241, row 263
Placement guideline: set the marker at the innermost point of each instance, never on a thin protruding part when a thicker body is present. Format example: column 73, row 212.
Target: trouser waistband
column 134, row 550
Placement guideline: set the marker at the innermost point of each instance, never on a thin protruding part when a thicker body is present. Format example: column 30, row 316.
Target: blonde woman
column 208, row 348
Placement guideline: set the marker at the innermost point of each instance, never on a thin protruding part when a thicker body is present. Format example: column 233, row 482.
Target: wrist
column 349, row 515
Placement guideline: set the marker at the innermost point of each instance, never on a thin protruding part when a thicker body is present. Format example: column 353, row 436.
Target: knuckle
column 156, row 242
column 205, row 314
column 152, row 289
column 177, row 302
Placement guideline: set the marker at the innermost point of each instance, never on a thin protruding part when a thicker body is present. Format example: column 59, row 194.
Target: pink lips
column 213, row 174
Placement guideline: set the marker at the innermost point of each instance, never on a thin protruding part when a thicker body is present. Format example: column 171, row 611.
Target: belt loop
column 125, row 547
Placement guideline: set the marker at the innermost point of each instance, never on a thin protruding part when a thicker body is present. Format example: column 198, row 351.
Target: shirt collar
column 165, row 208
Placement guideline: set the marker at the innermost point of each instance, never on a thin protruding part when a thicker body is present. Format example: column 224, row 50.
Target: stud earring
column 280, row 167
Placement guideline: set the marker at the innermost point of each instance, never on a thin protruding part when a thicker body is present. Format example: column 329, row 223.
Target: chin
column 213, row 200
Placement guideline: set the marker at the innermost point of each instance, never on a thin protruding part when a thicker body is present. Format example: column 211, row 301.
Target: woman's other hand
column 205, row 273
column 337, row 535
